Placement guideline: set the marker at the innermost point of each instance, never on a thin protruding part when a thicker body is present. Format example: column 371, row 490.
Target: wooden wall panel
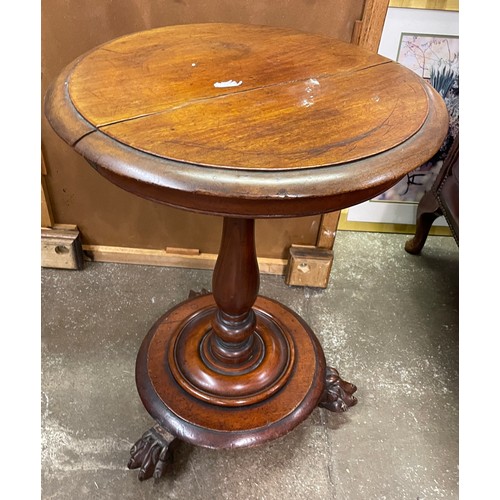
column 106, row 215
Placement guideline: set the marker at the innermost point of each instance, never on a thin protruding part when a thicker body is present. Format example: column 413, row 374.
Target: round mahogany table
column 244, row 122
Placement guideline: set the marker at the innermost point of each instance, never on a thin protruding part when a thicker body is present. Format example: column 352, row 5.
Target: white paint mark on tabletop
column 229, row 83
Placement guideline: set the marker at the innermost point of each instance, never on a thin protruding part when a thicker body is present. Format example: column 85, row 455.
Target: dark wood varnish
column 153, row 453
column 174, row 110
column 208, row 422
column 69, row 29
column 309, row 125
column 171, row 67
column 344, row 123
column 441, row 199
column 339, row 394
column 235, row 284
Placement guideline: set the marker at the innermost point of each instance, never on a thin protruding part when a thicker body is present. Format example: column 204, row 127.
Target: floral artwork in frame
column 435, row 58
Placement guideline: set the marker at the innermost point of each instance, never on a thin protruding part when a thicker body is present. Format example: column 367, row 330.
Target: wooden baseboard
column 125, row 255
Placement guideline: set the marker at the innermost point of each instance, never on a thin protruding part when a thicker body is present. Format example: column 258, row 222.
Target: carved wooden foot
column 338, row 395
column 153, row 453
column 428, row 211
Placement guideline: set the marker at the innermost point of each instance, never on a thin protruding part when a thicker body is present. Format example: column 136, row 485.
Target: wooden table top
column 246, row 120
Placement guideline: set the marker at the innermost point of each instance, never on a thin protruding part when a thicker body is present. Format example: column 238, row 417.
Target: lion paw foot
column 338, row 395
column 153, row 453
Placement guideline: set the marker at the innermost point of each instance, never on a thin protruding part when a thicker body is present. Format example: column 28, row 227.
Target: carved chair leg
column 338, row 395
column 428, row 211
column 152, row 454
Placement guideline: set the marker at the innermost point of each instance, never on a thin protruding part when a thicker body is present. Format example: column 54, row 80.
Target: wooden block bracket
column 61, row 247
column 309, row 266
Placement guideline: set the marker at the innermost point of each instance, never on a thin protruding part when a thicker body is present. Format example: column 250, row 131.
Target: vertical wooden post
column 47, row 219
column 235, row 286
column 368, row 31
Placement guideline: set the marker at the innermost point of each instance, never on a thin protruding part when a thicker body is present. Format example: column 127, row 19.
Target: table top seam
column 329, row 76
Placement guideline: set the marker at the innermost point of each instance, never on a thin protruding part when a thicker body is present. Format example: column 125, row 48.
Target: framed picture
column 434, row 57
column 426, row 4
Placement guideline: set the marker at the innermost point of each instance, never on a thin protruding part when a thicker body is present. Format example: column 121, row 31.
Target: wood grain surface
column 153, row 112
column 196, row 421
column 300, row 101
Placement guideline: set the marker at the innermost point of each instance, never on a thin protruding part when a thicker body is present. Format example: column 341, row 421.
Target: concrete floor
column 388, row 321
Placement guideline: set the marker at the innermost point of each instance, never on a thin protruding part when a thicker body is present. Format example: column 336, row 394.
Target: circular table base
column 200, row 404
